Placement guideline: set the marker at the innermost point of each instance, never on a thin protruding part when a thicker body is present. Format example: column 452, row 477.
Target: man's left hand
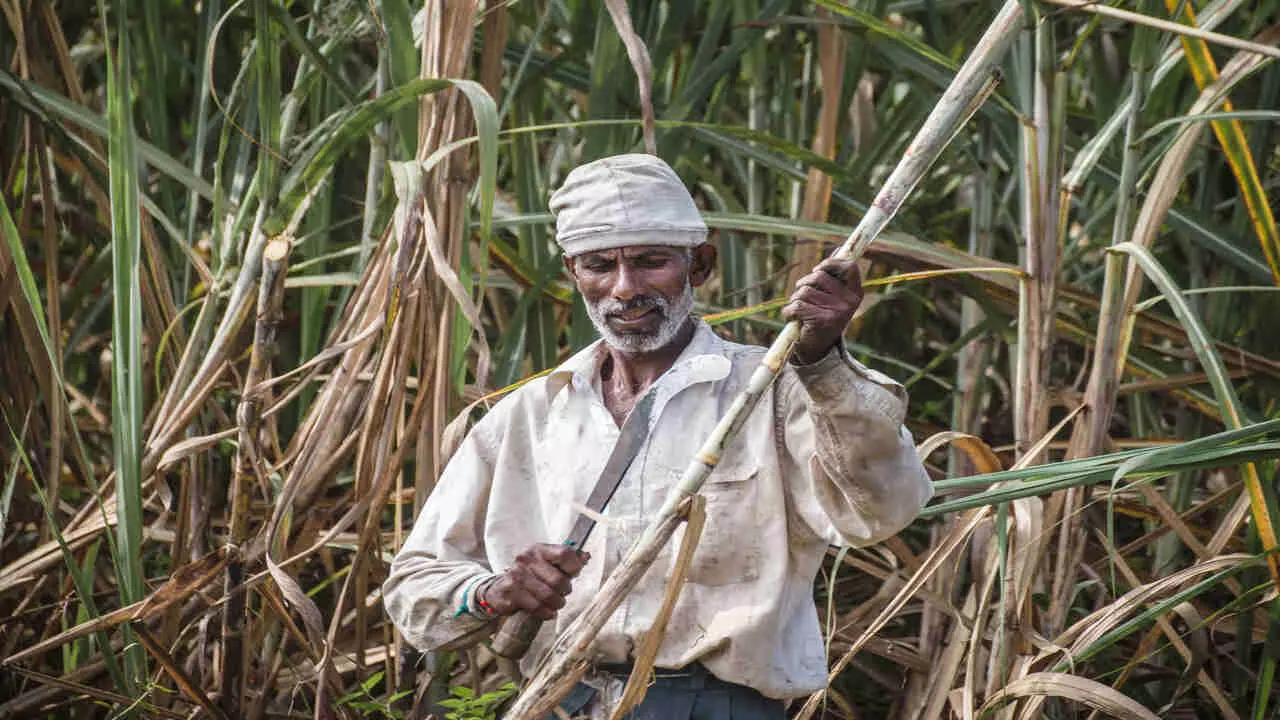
column 824, row 303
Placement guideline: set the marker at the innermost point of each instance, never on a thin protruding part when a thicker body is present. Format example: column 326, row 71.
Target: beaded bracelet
column 484, row 604
column 463, row 609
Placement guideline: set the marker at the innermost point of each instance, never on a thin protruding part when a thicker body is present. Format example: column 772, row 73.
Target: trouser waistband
column 691, row 670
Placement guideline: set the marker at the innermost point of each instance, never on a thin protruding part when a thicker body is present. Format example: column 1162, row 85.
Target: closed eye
column 598, row 265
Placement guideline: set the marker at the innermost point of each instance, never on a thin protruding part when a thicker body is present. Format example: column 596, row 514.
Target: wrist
column 471, row 603
column 806, row 356
column 483, row 606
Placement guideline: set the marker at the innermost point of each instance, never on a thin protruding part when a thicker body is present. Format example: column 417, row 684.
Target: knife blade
column 517, row 632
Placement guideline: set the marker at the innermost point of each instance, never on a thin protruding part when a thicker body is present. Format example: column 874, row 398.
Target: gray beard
column 673, row 315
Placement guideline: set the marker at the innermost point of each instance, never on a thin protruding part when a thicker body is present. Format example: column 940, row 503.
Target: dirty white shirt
column 823, row 459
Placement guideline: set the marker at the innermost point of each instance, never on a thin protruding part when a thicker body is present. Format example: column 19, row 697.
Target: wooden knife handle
column 515, row 635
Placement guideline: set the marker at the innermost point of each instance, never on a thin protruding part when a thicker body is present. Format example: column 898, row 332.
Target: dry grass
column 254, row 266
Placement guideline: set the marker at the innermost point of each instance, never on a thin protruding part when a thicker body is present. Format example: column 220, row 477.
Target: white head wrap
column 625, row 200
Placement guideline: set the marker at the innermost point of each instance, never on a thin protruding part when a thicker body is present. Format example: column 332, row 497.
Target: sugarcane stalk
column 568, row 659
column 971, row 86
column 234, row 668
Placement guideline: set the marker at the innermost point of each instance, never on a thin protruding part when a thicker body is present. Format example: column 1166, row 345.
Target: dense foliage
column 257, row 256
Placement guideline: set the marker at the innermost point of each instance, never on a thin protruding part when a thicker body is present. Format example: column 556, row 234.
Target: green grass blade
column 127, row 361
column 267, row 58
column 310, row 170
column 294, row 35
column 1261, row 499
column 396, row 21
column 539, row 321
column 49, row 106
column 6, row 493
column 1149, row 615
column 1231, row 137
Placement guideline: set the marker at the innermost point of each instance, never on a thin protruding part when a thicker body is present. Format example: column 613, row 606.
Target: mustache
column 639, row 302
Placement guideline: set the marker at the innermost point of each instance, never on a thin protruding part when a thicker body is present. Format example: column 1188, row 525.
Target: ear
column 702, row 263
column 569, row 266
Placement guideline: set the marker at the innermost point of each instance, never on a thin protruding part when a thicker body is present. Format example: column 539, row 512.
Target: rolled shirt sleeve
column 433, row 578
column 842, row 426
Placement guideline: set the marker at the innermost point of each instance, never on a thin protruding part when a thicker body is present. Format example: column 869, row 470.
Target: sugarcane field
column 640, row 359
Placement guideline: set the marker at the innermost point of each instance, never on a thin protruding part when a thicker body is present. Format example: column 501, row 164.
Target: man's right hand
column 538, row 582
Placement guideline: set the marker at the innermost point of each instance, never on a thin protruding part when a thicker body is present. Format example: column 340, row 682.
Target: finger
column 821, row 318
column 564, row 557
column 823, row 281
column 541, row 591
column 827, row 290
column 547, row 596
column 845, row 275
column 522, row 599
column 838, row 268
column 553, row 577
column 820, row 298
column 835, row 306
column 516, row 597
column 805, row 312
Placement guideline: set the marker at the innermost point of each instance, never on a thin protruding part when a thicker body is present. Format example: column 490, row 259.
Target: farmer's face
column 639, row 297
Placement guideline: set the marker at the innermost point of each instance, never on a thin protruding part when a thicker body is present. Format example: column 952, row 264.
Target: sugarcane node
column 276, row 250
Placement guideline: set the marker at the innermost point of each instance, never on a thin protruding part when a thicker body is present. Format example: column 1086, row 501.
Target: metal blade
column 635, row 430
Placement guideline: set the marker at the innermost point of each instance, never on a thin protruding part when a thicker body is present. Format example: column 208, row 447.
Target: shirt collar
column 702, row 360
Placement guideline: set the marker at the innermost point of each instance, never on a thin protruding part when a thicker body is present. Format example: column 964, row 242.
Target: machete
column 517, row 632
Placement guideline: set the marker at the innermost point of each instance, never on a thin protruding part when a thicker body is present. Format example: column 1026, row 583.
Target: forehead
column 630, row 252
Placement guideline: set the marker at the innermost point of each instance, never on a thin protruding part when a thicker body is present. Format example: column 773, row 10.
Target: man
column 823, row 459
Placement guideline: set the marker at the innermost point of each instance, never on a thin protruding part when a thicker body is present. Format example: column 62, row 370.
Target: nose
column 628, row 284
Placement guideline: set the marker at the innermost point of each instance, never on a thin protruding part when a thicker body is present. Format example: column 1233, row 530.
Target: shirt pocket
column 729, row 549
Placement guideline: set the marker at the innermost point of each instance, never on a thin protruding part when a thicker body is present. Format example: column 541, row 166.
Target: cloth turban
column 622, row 201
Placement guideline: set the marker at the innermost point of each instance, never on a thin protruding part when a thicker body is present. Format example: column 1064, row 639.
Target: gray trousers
column 692, row 693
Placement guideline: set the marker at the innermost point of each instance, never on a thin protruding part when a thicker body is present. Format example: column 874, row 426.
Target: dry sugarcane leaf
column 947, row 661
column 639, row 56
column 409, row 178
column 185, row 682
column 647, row 653
column 968, row 693
column 102, row 695
column 817, row 189
column 1173, row 27
column 1195, row 655
column 980, row 453
column 84, row 629
column 1072, row 687
column 325, row 355
column 185, row 581
column 941, row 554
column 1092, row 627
column 29, row 565
column 192, row 446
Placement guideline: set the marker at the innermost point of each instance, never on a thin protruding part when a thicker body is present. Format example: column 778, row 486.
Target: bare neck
column 626, row 376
